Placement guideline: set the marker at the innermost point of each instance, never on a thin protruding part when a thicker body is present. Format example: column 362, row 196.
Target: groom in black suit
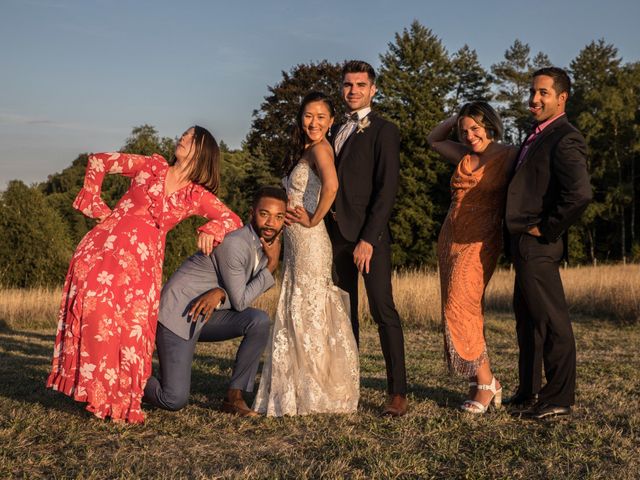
column 367, row 162
column 548, row 192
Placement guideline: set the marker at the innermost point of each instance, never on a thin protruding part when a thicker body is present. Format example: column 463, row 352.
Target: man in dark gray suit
column 208, row 299
column 548, row 192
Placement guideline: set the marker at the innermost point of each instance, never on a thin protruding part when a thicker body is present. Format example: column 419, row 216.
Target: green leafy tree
column 60, row 190
column 35, row 247
column 235, row 174
column 181, row 244
column 269, row 137
column 415, row 80
column 144, row 140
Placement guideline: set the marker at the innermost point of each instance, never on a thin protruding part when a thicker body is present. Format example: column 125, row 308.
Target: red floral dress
column 108, row 316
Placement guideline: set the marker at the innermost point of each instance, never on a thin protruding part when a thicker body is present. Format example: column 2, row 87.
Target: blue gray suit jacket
column 231, row 266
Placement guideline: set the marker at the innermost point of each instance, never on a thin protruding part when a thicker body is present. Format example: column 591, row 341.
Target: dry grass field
column 607, row 292
column 46, row 435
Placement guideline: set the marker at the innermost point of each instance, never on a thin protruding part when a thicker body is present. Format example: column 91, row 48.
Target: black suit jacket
column 551, row 188
column 368, row 169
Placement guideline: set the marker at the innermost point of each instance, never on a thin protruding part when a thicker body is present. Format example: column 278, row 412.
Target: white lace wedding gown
column 312, row 359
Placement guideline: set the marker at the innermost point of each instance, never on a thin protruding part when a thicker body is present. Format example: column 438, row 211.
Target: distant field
column 608, row 292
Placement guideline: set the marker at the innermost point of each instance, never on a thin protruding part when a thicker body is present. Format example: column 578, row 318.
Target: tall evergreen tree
column 624, row 110
column 415, row 80
column 631, row 87
column 472, row 82
column 513, row 79
column 601, row 112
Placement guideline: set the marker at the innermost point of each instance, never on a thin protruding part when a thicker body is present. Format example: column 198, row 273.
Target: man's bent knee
column 260, row 321
column 174, row 403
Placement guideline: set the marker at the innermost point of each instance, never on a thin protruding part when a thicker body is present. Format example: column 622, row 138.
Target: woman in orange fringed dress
column 107, row 322
column 470, row 242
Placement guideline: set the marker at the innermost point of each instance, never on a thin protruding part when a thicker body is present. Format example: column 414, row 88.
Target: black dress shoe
column 521, row 402
column 544, row 411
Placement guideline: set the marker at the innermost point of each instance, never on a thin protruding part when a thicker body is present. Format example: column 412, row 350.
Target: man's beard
column 269, row 234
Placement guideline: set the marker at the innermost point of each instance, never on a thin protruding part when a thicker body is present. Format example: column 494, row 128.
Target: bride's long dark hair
column 298, row 137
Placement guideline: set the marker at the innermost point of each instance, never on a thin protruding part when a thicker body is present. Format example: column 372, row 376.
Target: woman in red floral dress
column 107, row 321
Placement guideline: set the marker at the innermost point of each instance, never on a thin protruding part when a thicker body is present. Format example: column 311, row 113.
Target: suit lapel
column 539, row 141
column 344, row 151
column 346, row 147
column 257, row 257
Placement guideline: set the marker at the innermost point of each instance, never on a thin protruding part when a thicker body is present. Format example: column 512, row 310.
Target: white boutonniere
column 363, row 123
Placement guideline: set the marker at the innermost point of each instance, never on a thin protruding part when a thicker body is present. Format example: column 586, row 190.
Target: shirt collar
column 363, row 112
column 541, row 126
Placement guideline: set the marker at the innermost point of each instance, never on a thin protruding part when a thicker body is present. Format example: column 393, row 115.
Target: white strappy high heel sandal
column 473, row 406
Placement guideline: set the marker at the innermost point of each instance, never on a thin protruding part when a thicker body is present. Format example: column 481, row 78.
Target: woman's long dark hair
column 298, row 137
column 205, row 166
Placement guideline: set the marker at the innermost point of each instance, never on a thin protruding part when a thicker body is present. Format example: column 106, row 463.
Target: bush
column 35, row 247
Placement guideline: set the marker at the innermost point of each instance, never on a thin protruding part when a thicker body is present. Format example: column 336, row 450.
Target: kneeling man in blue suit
column 208, row 299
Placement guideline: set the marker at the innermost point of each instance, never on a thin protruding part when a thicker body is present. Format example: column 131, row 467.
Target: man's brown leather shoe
column 235, row 405
column 396, row 406
column 238, row 407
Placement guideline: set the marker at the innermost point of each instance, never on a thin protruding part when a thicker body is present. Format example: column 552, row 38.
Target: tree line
column 419, row 83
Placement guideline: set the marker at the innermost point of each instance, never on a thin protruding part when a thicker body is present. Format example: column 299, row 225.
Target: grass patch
column 46, row 435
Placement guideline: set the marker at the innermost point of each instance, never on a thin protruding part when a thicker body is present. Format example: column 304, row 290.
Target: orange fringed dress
column 107, row 321
column 469, row 245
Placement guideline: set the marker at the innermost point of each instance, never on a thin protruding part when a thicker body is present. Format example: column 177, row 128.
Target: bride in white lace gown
column 312, row 358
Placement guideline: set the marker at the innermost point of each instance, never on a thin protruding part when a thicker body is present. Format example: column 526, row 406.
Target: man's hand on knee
column 206, row 303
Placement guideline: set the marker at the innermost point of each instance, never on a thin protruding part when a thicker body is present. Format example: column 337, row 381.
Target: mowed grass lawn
column 44, row 434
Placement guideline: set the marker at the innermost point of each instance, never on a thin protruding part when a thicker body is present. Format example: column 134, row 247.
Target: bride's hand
column 298, row 215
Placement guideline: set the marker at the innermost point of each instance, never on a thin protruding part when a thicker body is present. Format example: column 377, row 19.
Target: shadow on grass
column 26, row 359
column 12, row 342
column 24, row 366
column 443, row 397
column 213, row 386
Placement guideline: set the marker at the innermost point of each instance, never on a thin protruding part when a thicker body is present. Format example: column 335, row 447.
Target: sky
column 77, row 75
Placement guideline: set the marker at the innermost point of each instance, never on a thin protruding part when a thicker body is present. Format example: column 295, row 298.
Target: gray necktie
column 346, row 130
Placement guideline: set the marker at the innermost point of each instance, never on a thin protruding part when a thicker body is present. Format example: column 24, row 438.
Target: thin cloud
column 34, row 121
column 40, row 122
column 44, row 3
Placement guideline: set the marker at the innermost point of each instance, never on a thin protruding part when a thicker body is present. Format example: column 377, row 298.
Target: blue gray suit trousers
column 171, row 391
